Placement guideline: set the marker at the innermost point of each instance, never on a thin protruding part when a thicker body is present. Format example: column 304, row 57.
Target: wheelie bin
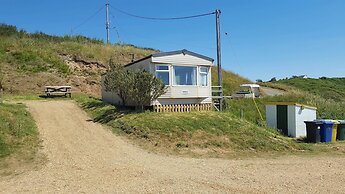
column 313, row 131
column 326, row 131
column 334, row 130
column 341, row 130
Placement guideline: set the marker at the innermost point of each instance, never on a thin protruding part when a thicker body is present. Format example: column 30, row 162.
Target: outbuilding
column 289, row 117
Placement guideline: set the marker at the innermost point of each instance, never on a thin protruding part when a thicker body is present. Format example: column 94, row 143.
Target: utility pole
column 107, row 19
column 219, row 64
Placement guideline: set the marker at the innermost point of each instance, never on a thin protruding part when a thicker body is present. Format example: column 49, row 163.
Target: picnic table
column 58, row 90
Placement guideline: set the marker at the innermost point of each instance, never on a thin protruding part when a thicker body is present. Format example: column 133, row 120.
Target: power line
column 89, row 18
column 158, row 18
column 115, row 27
column 107, row 20
column 232, row 48
column 117, row 33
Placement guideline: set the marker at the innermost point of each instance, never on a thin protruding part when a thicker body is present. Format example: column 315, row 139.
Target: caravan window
column 184, row 75
column 162, row 72
column 203, row 76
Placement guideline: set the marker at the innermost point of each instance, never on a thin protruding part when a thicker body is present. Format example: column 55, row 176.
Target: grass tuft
column 18, row 131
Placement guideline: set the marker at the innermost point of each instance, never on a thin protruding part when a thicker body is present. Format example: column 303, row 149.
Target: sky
column 260, row 39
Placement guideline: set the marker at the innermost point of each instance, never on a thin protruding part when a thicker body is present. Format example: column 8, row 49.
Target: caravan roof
column 250, row 85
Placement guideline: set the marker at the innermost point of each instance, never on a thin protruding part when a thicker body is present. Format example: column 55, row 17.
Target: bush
column 136, row 88
column 274, row 79
column 7, row 30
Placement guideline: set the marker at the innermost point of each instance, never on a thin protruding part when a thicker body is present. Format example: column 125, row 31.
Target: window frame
column 173, row 75
column 204, row 73
column 163, row 71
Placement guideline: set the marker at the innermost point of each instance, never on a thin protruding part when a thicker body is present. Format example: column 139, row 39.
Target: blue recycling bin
column 326, row 131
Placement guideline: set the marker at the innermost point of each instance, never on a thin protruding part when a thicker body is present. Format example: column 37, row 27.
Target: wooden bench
column 58, row 90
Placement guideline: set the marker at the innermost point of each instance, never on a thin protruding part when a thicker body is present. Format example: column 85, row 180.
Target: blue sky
column 266, row 38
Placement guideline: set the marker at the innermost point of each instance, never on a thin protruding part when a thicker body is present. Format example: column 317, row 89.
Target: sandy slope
column 86, row 157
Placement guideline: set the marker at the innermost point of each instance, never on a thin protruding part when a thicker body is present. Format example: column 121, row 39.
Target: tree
column 138, row 88
column 259, row 81
column 273, row 79
column 118, row 81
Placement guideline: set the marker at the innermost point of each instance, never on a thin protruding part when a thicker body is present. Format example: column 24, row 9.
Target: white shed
column 289, row 117
column 187, row 76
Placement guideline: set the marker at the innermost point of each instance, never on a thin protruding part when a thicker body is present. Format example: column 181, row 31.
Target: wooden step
column 217, row 91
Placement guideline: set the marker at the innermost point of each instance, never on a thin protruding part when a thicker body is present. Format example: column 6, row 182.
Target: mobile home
column 187, row 76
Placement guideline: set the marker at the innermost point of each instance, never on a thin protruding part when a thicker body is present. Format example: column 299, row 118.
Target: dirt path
column 86, row 157
column 272, row 91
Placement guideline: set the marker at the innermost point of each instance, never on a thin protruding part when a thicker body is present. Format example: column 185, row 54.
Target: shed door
column 282, row 118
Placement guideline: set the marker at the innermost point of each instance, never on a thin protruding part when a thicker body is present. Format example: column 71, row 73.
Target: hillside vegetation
column 30, row 61
column 328, row 88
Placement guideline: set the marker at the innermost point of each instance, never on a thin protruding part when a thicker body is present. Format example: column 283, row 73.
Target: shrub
column 137, row 88
column 7, row 30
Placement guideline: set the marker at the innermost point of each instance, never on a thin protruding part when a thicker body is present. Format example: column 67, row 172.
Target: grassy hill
column 328, row 88
column 327, row 94
column 29, row 61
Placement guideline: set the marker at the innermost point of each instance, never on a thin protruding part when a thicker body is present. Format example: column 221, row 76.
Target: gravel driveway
column 86, row 157
column 271, row 91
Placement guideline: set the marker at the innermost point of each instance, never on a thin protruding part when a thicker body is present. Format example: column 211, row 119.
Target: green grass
column 18, row 132
column 216, row 132
column 328, row 88
column 39, row 52
column 231, row 81
column 246, row 109
column 21, row 97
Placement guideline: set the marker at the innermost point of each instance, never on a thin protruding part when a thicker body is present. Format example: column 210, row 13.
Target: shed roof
column 162, row 54
column 291, row 104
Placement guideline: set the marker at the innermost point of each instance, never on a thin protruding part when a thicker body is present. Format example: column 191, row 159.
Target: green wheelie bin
column 341, row 130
